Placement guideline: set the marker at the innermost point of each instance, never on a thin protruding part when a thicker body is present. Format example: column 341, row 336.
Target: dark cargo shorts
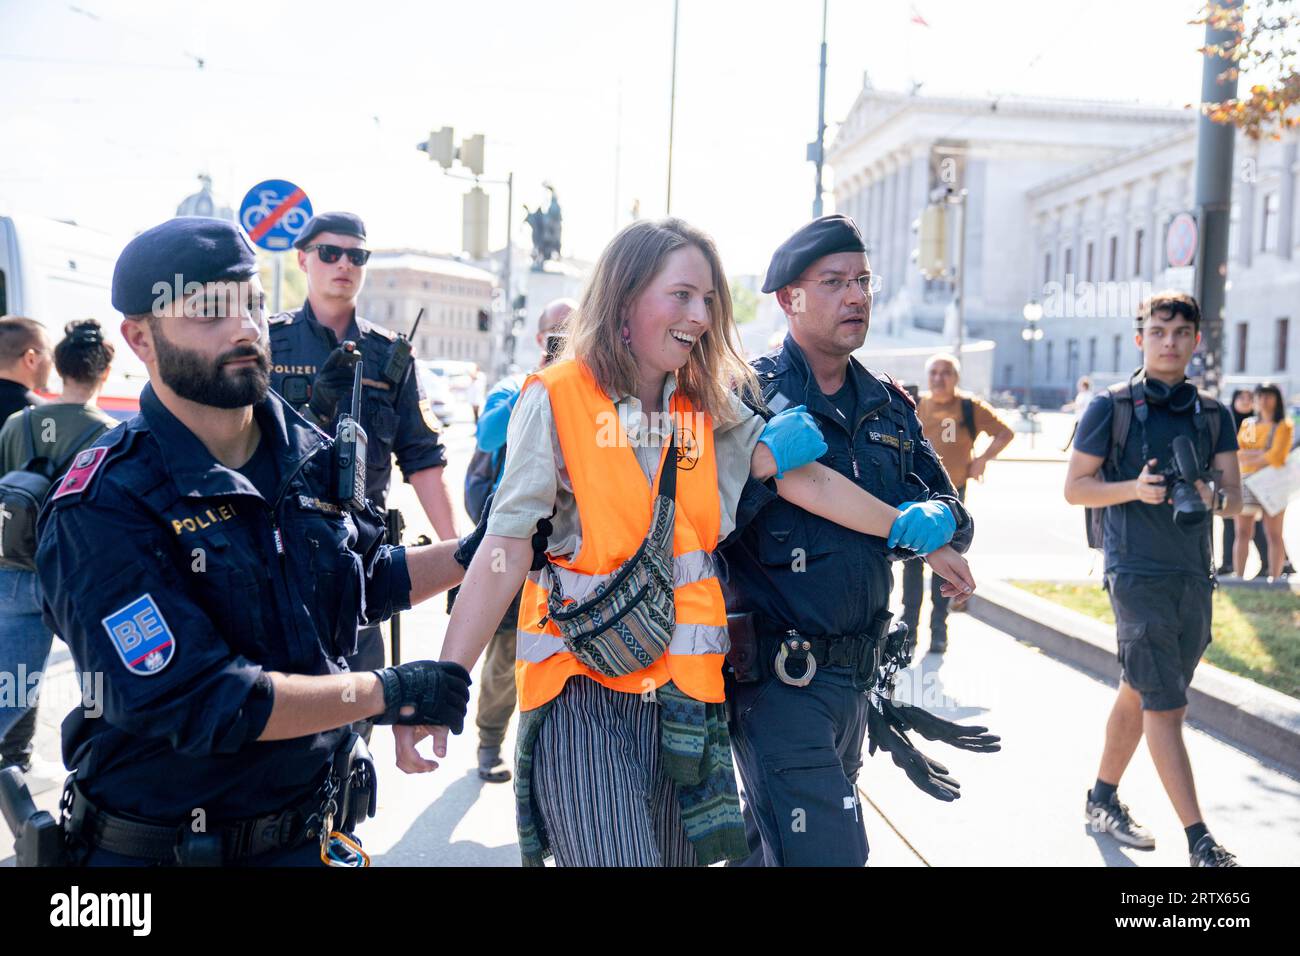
column 1163, row 624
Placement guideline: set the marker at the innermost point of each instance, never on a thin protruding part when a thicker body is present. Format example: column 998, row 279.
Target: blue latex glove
column 922, row 526
column 793, row 438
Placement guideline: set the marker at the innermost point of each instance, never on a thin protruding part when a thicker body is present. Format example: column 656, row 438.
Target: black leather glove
column 333, row 382
column 928, row 775
column 438, row 690
column 468, row 545
column 975, row 739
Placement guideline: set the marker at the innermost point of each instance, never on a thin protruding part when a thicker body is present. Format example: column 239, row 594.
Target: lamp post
column 1031, row 333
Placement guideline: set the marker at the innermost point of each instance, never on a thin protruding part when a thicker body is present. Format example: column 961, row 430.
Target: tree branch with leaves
column 1265, row 38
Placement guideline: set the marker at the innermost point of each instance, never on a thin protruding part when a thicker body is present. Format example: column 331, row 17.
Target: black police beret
column 177, row 252
column 343, row 223
column 821, row 237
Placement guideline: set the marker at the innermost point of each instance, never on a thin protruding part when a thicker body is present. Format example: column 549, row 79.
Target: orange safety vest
column 614, row 507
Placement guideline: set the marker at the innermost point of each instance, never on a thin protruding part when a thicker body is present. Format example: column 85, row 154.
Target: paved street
column 1021, row 807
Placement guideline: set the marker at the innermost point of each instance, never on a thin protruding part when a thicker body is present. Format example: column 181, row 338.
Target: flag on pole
column 916, row 16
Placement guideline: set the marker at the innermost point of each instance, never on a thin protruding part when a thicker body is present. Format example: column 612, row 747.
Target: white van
column 55, row 272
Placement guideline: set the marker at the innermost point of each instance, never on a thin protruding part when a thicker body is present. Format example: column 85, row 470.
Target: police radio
column 350, row 453
column 399, row 359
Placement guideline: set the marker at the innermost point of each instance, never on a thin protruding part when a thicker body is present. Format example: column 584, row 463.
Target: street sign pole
column 1214, row 145
column 277, row 280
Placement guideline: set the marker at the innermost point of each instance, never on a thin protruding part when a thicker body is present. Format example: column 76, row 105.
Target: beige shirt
column 535, row 480
column 943, row 426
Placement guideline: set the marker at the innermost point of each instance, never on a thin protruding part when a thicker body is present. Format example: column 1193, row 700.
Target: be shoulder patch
column 82, row 472
column 141, row 636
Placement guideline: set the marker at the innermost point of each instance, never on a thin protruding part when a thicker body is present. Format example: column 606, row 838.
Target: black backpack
column 22, row 492
column 1207, row 418
column 968, row 418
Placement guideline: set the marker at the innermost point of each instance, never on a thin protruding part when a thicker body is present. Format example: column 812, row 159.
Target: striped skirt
column 599, row 783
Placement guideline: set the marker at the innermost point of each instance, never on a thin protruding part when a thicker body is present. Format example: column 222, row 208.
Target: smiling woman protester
column 623, row 752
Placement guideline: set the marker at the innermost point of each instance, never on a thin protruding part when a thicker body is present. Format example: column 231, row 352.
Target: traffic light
column 484, row 321
column 932, row 245
column 471, row 154
column 441, row 146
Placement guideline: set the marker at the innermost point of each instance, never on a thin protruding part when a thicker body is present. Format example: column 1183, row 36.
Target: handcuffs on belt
column 801, row 646
column 880, row 641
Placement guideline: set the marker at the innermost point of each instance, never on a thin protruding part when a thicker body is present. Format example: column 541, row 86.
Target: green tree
column 744, row 303
column 1267, row 37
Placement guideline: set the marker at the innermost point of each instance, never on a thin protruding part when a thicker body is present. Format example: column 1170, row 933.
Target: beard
column 209, row 383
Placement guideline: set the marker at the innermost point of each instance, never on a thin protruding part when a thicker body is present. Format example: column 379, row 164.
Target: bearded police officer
column 813, row 595
column 312, row 369
column 198, row 559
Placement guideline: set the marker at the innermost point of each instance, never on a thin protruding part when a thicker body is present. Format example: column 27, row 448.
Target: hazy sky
column 106, row 117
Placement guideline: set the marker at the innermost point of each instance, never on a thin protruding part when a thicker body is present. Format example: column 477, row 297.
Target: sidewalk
column 1021, row 807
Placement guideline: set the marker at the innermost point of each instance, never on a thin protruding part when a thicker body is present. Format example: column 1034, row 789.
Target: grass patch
column 1256, row 632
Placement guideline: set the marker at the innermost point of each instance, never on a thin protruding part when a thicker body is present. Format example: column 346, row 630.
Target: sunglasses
column 330, row 254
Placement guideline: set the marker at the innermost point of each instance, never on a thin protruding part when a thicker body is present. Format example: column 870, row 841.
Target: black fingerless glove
column 975, row 739
column 928, row 775
column 468, row 545
column 333, row 382
column 438, row 690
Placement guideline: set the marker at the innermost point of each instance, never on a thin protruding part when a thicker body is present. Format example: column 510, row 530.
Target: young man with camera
column 1158, row 457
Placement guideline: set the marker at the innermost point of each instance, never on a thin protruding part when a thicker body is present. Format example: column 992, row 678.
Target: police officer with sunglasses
column 313, row 370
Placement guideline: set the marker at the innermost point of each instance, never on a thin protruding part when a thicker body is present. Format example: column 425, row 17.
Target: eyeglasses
column 870, row 284
column 329, row 254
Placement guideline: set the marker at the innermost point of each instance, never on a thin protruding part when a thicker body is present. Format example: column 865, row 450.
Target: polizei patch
column 141, row 636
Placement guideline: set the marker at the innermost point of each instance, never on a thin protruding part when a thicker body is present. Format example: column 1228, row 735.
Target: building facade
column 457, row 299
column 1068, row 204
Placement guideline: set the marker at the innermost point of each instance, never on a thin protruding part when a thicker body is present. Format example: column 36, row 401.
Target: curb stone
column 1248, row 714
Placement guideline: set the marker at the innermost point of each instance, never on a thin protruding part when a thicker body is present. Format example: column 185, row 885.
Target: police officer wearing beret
column 818, row 592
column 311, row 368
column 196, row 559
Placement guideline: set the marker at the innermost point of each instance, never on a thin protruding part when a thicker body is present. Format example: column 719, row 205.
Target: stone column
column 877, row 206
column 890, row 215
column 1154, row 239
column 913, row 280
column 1286, row 202
column 1245, row 199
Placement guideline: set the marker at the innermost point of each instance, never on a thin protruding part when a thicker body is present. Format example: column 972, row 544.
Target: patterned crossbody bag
column 627, row 623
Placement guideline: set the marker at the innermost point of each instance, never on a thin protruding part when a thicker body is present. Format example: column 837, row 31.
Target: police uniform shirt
column 397, row 419
column 797, row 570
column 1142, row 538
column 179, row 585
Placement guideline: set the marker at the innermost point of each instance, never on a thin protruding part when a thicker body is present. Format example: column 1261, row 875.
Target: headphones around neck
column 1177, row 398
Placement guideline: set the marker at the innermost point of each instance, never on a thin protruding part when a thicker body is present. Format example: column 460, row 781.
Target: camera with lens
column 1181, row 475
